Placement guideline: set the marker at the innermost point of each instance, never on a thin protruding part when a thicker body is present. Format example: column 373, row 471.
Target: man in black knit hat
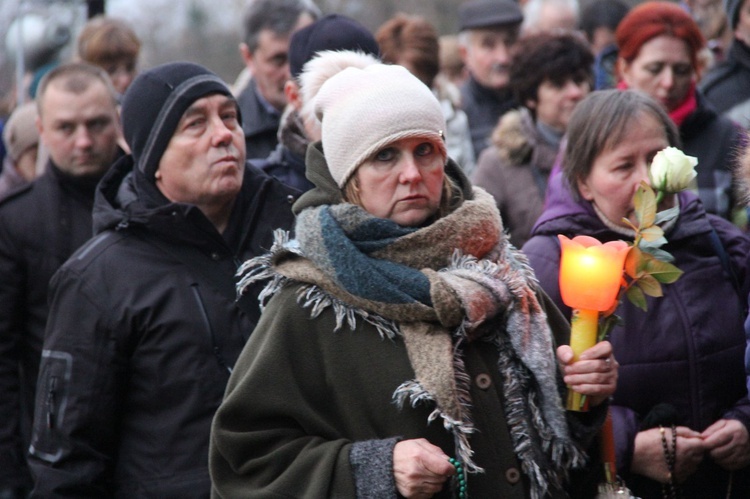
column 145, row 324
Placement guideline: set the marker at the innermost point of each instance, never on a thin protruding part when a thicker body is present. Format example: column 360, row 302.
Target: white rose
column 672, row 170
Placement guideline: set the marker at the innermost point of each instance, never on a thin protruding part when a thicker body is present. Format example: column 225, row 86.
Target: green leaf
column 644, row 202
column 637, row 298
column 667, row 215
column 649, row 285
column 654, row 235
column 657, row 253
column 664, row 272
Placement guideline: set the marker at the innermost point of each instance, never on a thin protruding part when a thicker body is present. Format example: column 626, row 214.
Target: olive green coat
column 301, row 394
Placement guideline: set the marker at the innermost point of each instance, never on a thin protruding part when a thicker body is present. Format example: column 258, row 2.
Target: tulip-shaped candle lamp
column 590, row 279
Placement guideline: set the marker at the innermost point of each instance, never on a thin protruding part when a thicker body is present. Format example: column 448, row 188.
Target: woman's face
column 555, row 104
column 619, row 169
column 403, row 181
column 663, row 69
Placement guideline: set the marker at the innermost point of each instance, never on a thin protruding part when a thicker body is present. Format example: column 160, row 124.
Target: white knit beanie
column 362, row 110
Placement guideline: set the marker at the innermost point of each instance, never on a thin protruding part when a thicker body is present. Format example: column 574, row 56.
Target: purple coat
column 686, row 350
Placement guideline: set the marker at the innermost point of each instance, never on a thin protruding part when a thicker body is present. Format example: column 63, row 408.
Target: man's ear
column 247, row 55
column 292, row 93
column 463, row 51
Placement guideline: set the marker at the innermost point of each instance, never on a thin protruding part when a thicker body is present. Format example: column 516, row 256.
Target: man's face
column 269, row 63
column 487, row 55
column 80, row 130
column 205, row 158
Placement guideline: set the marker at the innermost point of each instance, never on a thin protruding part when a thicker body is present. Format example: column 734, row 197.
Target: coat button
column 483, row 381
column 512, row 475
column 215, row 256
column 290, row 199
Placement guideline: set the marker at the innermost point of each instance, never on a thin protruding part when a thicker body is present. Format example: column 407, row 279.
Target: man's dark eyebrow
column 198, row 108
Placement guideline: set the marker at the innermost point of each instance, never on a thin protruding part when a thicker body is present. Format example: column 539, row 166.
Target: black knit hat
column 332, row 32
column 154, row 104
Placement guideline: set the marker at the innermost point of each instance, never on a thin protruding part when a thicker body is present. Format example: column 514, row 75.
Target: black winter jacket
column 41, row 225
column 144, row 329
column 715, row 140
column 483, row 107
column 260, row 126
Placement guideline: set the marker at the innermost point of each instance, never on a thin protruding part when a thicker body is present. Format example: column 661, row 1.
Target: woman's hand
column 420, row 468
column 728, row 444
column 649, row 459
column 594, row 374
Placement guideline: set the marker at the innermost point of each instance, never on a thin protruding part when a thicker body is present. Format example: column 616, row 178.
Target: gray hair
column 279, row 16
column 532, row 10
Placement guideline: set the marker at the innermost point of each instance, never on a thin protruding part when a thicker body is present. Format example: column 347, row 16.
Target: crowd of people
column 338, row 275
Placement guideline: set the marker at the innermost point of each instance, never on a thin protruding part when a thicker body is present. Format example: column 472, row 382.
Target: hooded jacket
column 515, row 170
column 687, row 350
column 145, row 329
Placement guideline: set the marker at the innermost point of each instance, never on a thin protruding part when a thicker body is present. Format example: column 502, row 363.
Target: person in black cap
column 488, row 30
column 331, row 33
column 145, row 323
column 267, row 27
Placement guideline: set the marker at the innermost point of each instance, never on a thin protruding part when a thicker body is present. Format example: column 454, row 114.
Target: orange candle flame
column 591, row 272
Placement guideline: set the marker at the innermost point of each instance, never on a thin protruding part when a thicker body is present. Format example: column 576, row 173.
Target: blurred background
column 202, row 31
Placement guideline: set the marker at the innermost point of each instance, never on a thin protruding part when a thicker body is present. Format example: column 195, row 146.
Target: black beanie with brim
column 154, row 104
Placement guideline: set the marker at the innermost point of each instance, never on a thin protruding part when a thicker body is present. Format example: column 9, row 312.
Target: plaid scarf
column 436, row 287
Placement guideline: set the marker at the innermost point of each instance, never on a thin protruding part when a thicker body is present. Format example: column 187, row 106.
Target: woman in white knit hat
column 405, row 348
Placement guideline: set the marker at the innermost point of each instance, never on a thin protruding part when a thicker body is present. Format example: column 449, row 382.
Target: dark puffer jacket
column 145, row 327
column 686, row 350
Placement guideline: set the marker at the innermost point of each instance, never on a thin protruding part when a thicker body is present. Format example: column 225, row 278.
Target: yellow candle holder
column 590, row 279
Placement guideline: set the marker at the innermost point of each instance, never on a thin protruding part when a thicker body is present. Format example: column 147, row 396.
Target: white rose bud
column 672, row 170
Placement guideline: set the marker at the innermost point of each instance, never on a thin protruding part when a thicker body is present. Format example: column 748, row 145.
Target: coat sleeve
column 75, row 418
column 11, row 324
column 274, row 434
column 737, row 246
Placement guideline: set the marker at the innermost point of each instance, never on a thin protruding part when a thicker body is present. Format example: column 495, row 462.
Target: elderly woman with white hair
column 405, row 348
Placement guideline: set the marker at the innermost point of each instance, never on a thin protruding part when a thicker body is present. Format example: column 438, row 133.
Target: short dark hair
column 279, row 16
column 600, row 121
column 75, row 77
column 602, row 13
column 556, row 57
